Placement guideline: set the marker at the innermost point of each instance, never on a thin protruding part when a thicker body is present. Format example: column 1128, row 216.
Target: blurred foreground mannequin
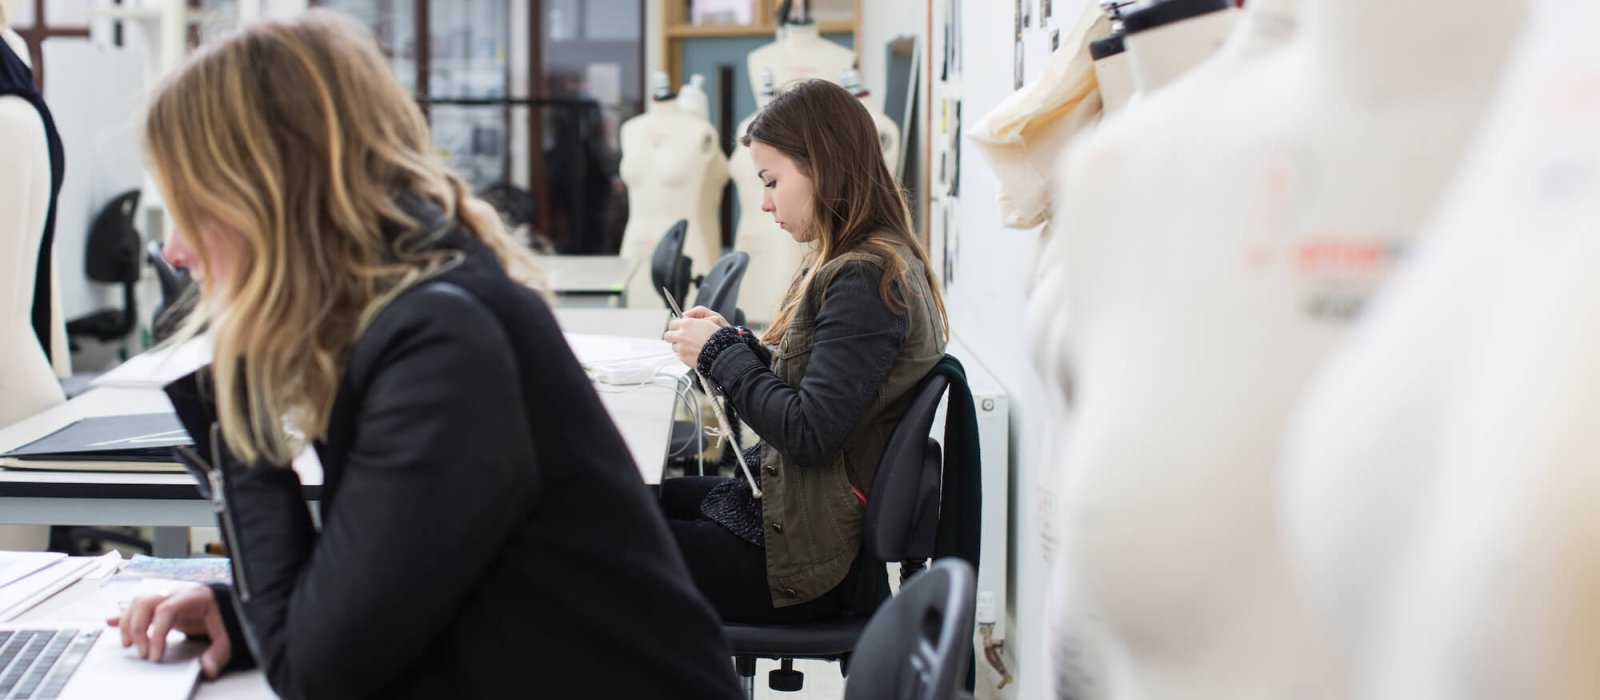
column 775, row 257
column 674, row 170
column 1442, row 485
column 1213, row 244
column 30, row 177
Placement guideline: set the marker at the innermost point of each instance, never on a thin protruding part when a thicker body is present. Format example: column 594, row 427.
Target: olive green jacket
column 837, row 385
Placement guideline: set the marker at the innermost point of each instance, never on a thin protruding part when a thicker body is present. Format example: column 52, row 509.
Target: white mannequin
column 1213, row 245
column 1113, row 75
column 774, row 255
column 1441, row 485
column 674, row 170
column 692, row 97
column 798, row 54
column 27, row 381
column 888, row 131
column 1159, row 54
column 1024, row 135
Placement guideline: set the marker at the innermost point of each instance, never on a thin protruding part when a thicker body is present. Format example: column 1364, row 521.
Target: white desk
column 582, row 278
column 634, row 323
column 170, row 502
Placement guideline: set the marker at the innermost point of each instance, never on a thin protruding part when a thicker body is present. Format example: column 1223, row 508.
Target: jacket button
column 790, row 593
column 772, row 470
column 778, row 528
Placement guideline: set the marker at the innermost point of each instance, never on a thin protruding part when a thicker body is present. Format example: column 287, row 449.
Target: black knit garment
column 733, row 505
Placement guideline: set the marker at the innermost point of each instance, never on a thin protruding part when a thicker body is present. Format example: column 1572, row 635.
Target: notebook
column 134, row 443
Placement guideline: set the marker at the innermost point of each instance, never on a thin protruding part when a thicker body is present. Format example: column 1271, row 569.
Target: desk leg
column 171, row 542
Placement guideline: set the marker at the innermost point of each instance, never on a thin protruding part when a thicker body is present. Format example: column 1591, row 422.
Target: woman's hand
column 707, row 314
column 191, row 610
column 689, row 335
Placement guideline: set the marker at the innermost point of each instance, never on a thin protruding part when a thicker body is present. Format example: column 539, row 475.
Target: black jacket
column 484, row 530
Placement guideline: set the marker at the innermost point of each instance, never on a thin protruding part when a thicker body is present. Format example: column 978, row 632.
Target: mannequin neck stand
column 1167, row 39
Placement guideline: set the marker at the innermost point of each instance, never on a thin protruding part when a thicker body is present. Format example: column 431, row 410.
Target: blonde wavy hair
column 295, row 138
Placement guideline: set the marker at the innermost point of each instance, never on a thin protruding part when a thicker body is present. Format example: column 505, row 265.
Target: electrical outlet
column 986, row 611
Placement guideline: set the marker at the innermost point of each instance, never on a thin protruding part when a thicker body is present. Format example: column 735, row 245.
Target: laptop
column 71, row 662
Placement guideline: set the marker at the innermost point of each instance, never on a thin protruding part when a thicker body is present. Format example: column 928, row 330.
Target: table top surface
column 588, row 274
column 642, row 413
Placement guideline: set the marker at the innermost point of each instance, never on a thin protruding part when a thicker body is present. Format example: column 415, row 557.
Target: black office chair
column 669, row 269
column 719, row 291
column 112, row 256
column 175, row 284
column 916, row 645
column 900, row 524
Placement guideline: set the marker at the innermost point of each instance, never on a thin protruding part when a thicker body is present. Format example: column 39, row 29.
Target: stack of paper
column 58, row 571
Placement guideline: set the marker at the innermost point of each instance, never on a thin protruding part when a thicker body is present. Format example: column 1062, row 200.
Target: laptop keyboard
column 38, row 663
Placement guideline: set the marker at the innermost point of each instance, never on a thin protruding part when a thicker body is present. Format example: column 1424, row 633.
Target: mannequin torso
column 1112, row 73
column 1215, row 242
column 1160, row 49
column 1439, row 489
column 674, row 170
column 775, row 257
column 798, row 54
column 27, row 380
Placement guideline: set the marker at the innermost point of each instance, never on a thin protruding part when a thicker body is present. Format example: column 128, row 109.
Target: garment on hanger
column 16, row 79
column 1022, row 137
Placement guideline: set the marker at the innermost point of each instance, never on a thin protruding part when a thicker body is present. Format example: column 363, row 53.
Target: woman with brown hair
column 825, row 384
column 483, row 530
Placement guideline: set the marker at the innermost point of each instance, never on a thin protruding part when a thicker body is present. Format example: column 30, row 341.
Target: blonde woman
column 483, row 530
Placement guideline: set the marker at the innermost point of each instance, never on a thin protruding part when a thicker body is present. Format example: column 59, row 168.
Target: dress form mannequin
column 888, row 131
column 775, row 257
column 1112, row 73
column 1440, row 486
column 799, row 53
column 674, row 170
column 27, row 380
column 1166, row 39
column 1213, row 245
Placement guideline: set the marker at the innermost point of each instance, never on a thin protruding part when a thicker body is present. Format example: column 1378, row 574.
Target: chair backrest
column 902, row 515
column 916, row 645
column 668, row 267
column 173, row 280
column 113, row 249
column 173, row 308
column 719, row 291
column 516, row 206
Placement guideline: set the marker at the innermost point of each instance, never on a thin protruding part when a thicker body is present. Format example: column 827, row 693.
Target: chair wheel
column 786, row 680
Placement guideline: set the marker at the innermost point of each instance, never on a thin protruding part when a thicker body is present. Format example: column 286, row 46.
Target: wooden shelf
column 703, row 31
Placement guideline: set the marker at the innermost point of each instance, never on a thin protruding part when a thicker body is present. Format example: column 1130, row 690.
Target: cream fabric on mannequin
column 799, row 53
column 1023, row 136
column 674, row 169
column 1440, row 490
column 27, row 381
column 1215, row 241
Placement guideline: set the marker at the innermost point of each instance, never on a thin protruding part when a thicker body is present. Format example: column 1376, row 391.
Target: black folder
column 141, row 443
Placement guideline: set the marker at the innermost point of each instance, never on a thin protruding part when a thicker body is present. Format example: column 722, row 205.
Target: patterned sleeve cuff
column 725, row 337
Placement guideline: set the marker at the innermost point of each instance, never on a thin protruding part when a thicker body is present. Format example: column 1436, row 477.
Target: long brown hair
column 832, row 139
column 295, row 136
